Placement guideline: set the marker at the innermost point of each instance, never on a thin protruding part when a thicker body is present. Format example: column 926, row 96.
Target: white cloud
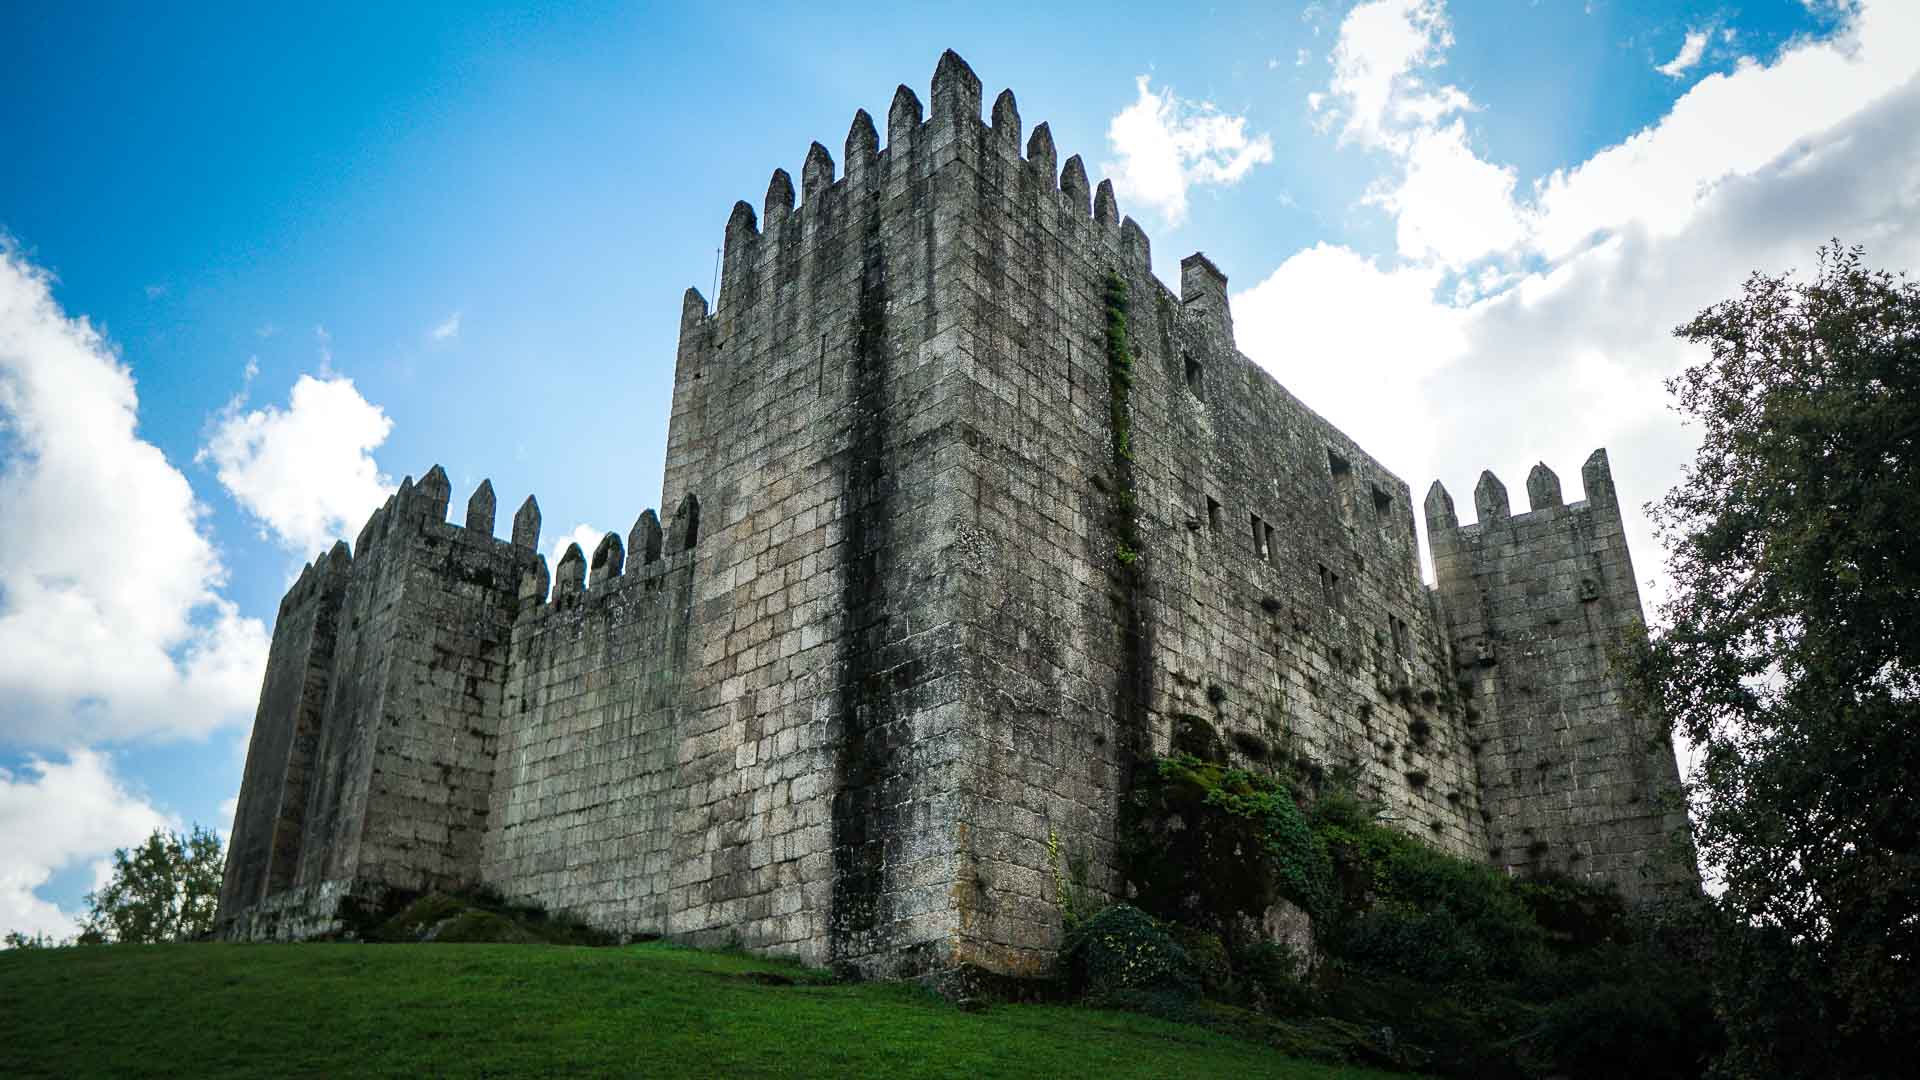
column 1691, row 50
column 58, row 815
column 306, row 472
column 1728, row 125
column 1166, row 145
column 448, row 329
column 1571, row 355
column 111, row 623
column 1450, row 207
column 229, row 809
column 1382, row 46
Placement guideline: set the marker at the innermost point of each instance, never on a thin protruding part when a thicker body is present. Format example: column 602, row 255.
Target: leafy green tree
column 167, row 889
column 1791, row 660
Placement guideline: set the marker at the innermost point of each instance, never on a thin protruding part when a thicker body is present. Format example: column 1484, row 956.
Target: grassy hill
column 498, row 1010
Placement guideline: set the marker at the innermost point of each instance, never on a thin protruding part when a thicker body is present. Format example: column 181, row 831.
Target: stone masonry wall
column 1043, row 676
column 811, row 416
column 584, row 788
column 1533, row 602
column 363, row 651
column 1290, row 616
column 432, row 767
column 286, row 734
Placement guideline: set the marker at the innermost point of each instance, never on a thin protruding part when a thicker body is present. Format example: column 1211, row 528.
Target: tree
column 167, row 889
column 1791, row 660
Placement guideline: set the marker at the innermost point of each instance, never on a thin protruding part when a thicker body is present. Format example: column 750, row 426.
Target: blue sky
column 260, row 266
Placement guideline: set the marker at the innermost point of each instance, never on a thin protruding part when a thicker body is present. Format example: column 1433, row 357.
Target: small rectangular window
column 1382, row 503
column 1213, row 514
column 1259, row 537
column 1400, row 642
column 1196, row 376
column 1342, row 472
column 1273, row 553
column 1330, row 586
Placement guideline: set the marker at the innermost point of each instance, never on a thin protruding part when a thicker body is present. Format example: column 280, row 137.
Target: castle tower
column 371, row 762
column 1534, row 602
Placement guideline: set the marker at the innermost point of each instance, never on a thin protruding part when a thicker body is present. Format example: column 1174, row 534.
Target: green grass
column 497, row 1010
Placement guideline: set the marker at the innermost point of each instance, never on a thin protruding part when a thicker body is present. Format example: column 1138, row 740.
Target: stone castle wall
column 889, row 665
column 585, row 771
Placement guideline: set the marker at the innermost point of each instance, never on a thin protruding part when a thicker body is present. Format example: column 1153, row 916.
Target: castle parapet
column 1493, row 506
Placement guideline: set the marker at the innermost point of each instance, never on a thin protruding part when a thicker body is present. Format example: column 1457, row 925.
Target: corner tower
column 1534, row 603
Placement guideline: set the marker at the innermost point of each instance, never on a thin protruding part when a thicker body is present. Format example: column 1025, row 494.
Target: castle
column 969, row 512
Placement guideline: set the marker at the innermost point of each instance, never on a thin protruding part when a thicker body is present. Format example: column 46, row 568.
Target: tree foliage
column 167, row 889
column 1791, row 658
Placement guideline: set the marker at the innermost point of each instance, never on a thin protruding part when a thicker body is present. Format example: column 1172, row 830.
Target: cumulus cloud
column 1548, row 362
column 111, row 620
column 1726, row 126
column 1166, row 145
column 229, row 810
column 1377, row 87
column 305, row 472
column 58, row 815
column 448, row 329
column 1691, row 50
column 1452, row 207
column 1449, row 206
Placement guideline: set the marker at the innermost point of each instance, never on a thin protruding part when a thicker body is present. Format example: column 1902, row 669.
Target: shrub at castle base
column 972, row 516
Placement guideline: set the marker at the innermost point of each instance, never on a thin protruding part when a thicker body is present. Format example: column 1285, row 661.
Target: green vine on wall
column 1126, row 525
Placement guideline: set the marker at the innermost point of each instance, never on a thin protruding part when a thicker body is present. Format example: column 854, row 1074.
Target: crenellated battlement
column 648, row 553
column 424, row 505
column 1493, row 508
column 917, row 143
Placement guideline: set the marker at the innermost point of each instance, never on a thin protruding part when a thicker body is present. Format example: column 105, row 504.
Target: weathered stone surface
column 1570, row 780
column 1543, row 488
column 480, row 509
column 890, row 652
